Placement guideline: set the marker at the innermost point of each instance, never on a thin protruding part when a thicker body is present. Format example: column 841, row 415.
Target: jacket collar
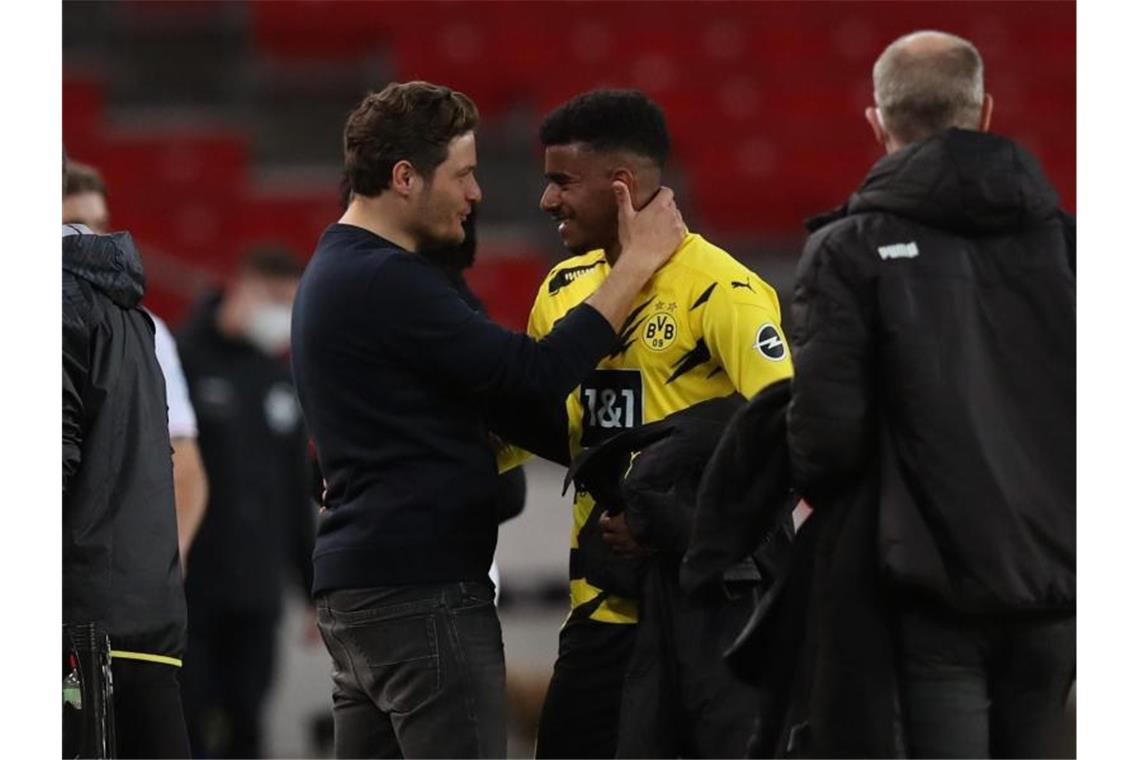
column 111, row 263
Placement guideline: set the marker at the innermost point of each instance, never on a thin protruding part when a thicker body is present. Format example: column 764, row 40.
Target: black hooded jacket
column 120, row 536
column 935, row 346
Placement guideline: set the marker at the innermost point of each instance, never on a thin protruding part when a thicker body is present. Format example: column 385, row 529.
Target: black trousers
column 148, row 710
column 583, row 704
column 418, row 671
column 226, row 677
column 992, row 686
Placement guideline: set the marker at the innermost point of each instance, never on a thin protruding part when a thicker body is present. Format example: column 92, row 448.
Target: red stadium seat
column 764, row 102
column 184, row 162
column 83, row 106
column 506, row 280
column 319, row 29
column 295, row 222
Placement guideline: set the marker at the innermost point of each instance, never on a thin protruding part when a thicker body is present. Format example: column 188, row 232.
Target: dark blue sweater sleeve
column 425, row 321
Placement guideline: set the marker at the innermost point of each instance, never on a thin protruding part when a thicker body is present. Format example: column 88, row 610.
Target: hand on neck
column 641, row 199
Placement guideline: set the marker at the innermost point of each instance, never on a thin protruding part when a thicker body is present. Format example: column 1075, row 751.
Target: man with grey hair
column 926, row 82
column 932, row 427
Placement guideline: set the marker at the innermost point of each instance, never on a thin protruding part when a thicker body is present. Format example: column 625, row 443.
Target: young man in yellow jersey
column 703, row 327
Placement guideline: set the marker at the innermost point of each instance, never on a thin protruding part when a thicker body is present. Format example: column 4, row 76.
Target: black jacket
column 260, row 521
column 679, row 699
column 743, row 509
column 745, row 494
column 932, row 419
column 935, row 345
column 120, row 535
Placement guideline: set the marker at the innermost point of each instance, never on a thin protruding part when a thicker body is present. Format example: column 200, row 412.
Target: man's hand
column 617, row 535
column 648, row 237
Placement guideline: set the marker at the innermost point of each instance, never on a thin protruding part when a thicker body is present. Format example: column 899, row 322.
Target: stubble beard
column 431, row 223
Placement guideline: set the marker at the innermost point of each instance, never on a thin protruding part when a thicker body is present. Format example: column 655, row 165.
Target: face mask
column 268, row 328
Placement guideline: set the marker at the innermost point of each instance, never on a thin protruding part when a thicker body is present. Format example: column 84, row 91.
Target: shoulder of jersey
column 571, row 270
column 716, row 265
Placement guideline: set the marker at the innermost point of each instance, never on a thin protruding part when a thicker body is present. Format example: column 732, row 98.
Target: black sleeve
column 541, row 427
column 829, row 421
column 661, row 519
column 510, row 494
column 76, row 350
column 426, row 321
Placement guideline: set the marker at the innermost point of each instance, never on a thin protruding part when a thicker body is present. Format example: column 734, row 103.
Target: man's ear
column 874, row 118
column 405, row 178
column 629, row 179
column 987, row 113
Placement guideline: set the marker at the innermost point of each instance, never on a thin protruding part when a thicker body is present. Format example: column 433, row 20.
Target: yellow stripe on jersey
column 614, row 609
column 509, row 457
column 703, row 327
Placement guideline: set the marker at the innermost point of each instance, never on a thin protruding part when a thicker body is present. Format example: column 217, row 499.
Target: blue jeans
column 418, row 671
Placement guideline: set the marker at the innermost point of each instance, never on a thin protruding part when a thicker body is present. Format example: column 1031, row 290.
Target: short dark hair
column 83, row 178
column 273, row 261
column 610, row 120
column 410, row 121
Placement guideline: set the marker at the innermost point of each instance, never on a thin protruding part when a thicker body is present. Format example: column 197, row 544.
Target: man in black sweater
column 932, row 427
column 395, row 374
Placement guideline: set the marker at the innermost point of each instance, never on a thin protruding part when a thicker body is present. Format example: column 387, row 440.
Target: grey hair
column 922, row 92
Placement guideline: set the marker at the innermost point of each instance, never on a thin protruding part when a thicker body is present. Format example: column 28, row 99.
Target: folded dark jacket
column 744, row 500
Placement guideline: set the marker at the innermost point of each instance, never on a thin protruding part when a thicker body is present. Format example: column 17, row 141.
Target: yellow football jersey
column 703, row 327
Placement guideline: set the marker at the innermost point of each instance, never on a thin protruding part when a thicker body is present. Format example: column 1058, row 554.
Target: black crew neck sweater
column 394, row 373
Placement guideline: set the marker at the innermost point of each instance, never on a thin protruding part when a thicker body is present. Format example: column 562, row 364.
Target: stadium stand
column 764, row 101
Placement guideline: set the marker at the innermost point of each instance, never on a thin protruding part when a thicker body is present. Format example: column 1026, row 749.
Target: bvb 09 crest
column 660, row 329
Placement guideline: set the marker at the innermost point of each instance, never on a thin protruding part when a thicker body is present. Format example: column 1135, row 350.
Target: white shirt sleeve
column 180, row 414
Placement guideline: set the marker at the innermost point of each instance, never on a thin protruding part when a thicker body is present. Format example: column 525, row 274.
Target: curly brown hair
column 408, row 121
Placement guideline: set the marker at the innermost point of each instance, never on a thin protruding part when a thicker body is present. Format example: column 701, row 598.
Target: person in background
column 120, row 539
column 932, row 427
column 260, row 520
column 85, row 202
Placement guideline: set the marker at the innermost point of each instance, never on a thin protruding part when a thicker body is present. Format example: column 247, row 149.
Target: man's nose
column 549, row 200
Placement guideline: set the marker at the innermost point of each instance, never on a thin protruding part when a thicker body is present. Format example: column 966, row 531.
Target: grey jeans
column 418, row 671
column 986, row 686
